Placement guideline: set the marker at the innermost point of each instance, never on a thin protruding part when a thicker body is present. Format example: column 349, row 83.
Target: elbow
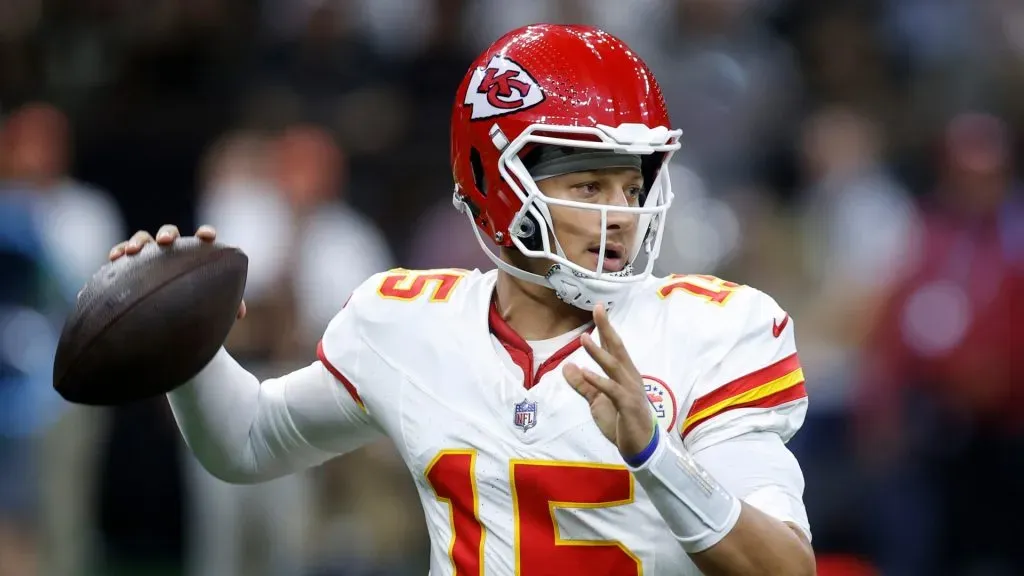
column 229, row 472
column 792, row 557
column 803, row 561
column 805, row 565
column 232, row 475
column 800, row 563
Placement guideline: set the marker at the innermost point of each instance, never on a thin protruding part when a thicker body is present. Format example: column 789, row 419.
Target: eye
column 588, row 189
column 635, row 192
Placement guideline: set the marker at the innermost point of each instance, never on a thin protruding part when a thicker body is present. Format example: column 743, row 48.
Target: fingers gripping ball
column 146, row 324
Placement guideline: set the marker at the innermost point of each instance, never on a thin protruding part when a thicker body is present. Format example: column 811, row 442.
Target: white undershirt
column 542, row 349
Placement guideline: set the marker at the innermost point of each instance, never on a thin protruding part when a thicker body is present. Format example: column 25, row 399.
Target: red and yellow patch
column 773, row 385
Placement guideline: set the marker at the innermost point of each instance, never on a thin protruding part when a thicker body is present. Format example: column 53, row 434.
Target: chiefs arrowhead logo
column 502, row 87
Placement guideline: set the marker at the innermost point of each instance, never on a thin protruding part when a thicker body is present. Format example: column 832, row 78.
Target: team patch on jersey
column 525, row 415
column 502, row 87
column 663, row 401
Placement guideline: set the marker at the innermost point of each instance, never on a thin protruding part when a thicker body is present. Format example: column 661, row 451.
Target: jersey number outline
column 538, row 489
column 711, row 288
column 401, row 284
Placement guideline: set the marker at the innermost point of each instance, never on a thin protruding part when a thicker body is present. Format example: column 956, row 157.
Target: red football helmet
column 567, row 86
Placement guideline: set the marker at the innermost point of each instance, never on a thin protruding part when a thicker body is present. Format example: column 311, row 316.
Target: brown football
column 145, row 324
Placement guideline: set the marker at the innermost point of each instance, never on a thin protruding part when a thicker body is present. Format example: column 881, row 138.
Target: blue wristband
column 645, row 454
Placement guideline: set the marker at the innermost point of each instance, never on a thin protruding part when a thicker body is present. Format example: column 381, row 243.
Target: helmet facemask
column 532, row 228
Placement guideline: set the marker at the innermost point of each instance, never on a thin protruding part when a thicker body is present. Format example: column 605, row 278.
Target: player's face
column 578, row 231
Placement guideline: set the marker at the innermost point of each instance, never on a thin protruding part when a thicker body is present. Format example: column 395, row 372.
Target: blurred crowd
column 855, row 159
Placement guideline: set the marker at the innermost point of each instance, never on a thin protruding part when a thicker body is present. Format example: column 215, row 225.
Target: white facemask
column 575, row 284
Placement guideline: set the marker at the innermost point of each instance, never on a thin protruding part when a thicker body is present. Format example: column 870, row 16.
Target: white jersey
column 513, row 473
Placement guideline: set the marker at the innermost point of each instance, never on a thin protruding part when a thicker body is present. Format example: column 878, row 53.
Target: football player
column 568, row 413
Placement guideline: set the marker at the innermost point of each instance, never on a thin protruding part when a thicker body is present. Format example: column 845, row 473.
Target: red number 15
column 538, row 488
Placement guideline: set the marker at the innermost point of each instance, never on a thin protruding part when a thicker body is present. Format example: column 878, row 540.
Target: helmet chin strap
column 571, row 288
column 586, row 293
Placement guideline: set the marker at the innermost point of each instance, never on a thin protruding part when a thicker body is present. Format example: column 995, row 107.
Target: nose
column 620, row 219
column 619, row 196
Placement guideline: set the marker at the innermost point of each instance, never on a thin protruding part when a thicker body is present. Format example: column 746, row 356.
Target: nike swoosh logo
column 778, row 327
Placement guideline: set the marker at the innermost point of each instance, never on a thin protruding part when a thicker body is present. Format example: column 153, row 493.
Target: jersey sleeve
column 348, row 353
column 747, row 403
column 759, row 469
column 752, row 381
column 243, row 430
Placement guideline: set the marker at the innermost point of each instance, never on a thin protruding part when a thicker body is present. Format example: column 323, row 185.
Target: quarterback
column 569, row 413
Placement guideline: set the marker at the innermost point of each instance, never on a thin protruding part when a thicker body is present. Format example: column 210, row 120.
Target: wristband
column 698, row 511
column 645, row 454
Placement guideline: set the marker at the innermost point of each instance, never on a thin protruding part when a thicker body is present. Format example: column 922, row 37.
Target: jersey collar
column 520, row 350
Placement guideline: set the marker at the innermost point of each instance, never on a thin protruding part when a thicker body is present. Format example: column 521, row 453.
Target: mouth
column 614, row 256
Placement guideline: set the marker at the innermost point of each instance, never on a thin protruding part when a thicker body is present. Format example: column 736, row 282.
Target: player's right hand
column 166, row 236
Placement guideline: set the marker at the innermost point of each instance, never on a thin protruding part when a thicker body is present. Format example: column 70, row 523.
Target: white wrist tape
column 698, row 511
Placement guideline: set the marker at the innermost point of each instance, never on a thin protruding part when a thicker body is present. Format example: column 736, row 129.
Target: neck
column 533, row 311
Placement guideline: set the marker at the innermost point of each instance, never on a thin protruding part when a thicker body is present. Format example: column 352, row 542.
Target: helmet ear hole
column 531, row 239
column 477, row 165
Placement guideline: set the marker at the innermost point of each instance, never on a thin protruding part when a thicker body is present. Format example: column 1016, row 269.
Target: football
column 145, row 324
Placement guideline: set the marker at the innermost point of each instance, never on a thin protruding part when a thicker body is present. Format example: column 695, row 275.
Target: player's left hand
column 618, row 402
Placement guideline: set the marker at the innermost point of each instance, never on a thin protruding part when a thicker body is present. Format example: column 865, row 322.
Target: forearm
column 244, row 431
column 722, row 534
column 758, row 544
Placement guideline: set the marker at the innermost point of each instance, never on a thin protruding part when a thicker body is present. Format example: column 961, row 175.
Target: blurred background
column 855, row 159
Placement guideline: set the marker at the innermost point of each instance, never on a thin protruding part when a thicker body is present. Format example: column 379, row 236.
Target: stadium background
column 854, row 159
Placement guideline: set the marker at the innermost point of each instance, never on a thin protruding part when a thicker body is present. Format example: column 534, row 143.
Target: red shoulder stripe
column 338, row 375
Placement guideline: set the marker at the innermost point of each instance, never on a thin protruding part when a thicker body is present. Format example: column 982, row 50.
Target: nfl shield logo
column 525, row 415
